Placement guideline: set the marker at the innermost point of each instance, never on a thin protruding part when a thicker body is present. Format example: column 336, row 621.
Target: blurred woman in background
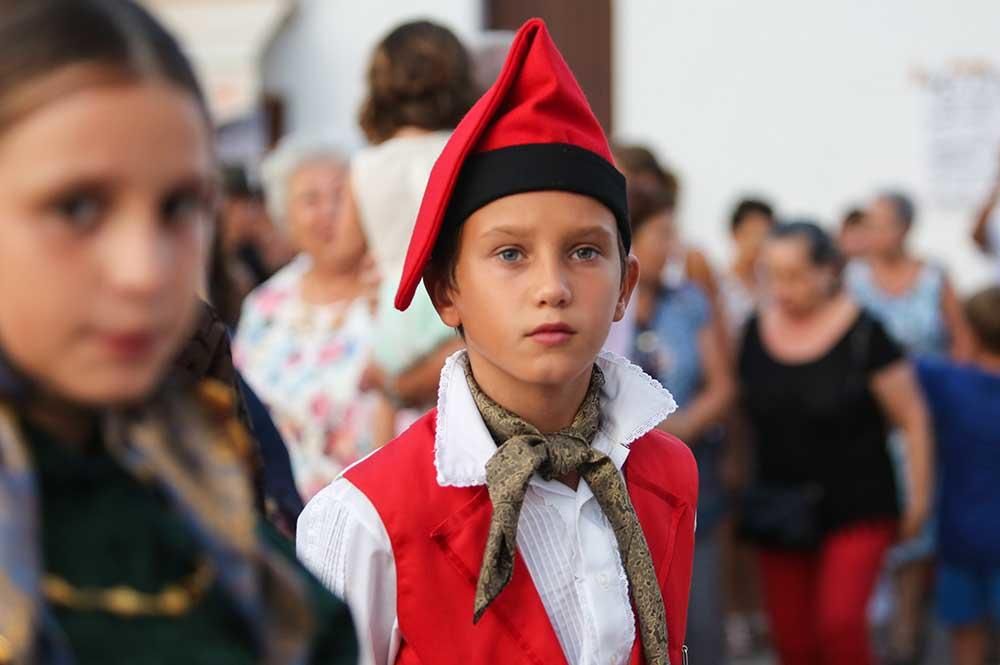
column 821, row 384
column 676, row 345
column 912, row 297
column 419, row 87
column 686, row 263
column 305, row 336
column 126, row 508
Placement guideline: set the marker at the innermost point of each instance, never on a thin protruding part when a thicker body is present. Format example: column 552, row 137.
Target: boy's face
column 538, row 282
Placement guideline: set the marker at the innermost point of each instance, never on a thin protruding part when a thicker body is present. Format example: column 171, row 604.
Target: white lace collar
column 632, row 404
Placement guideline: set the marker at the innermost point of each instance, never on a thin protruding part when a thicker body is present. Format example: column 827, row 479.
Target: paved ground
column 937, row 653
column 759, row 660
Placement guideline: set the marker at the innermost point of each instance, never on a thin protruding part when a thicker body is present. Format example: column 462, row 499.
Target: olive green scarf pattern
column 523, row 451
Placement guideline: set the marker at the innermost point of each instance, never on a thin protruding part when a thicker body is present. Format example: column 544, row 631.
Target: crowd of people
column 836, row 392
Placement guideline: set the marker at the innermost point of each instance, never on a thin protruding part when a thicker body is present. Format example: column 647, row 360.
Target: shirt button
column 604, row 581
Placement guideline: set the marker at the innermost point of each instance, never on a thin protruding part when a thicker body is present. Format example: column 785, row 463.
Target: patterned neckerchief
column 523, row 451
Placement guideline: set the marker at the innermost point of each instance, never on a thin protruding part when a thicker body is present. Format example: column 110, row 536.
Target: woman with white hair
column 303, row 339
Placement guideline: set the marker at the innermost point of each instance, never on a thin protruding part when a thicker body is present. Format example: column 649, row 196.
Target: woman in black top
column 822, row 382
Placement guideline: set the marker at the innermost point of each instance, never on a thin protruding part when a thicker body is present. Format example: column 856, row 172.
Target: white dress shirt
column 567, row 544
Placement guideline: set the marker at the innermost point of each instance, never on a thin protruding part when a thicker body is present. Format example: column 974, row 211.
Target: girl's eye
column 184, row 207
column 586, row 253
column 509, row 255
column 81, row 211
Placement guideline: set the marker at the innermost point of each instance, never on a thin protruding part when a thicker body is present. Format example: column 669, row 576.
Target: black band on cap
column 488, row 176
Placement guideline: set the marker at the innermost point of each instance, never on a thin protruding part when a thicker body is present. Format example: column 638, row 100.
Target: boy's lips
column 552, row 334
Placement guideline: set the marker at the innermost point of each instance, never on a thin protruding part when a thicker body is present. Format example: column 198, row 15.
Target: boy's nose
column 553, row 285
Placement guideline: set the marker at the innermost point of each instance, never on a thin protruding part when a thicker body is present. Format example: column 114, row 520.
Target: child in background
column 852, row 238
column 677, row 347
column 964, row 400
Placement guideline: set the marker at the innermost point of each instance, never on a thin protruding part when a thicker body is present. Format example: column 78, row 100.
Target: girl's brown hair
column 645, row 202
column 117, row 38
column 420, row 76
column 642, row 168
column 983, row 312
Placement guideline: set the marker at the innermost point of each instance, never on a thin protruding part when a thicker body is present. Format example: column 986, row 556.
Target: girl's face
column 105, row 198
column 654, row 243
column 751, row 234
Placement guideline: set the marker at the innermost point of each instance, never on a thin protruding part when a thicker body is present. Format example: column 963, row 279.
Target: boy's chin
column 552, row 369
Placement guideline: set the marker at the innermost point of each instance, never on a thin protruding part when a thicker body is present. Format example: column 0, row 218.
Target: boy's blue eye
column 586, row 253
column 509, row 255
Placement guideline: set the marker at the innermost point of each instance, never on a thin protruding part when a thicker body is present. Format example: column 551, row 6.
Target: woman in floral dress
column 304, row 337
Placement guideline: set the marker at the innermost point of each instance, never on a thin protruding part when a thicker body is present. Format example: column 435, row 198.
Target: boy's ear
column 443, row 298
column 628, row 286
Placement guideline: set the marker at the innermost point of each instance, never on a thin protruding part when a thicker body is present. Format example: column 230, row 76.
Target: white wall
column 223, row 40
column 811, row 103
column 318, row 60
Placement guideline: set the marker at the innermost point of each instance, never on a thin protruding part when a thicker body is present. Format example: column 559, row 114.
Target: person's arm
column 342, row 541
column 418, row 385
column 700, row 272
column 959, row 332
column 714, row 398
column 349, row 217
column 898, row 393
column 981, row 229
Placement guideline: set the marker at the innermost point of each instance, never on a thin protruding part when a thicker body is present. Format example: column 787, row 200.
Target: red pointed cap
column 533, row 130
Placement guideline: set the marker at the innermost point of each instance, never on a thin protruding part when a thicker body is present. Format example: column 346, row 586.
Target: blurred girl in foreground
column 127, row 527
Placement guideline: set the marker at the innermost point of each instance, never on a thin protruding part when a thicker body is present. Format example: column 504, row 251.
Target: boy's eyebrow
column 516, row 231
column 507, row 230
column 594, row 230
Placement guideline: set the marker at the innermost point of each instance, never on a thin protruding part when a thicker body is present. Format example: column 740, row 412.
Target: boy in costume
column 536, row 515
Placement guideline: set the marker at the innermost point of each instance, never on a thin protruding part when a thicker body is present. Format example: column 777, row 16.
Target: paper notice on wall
column 963, row 130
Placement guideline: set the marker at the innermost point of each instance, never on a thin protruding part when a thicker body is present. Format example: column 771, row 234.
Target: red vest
column 438, row 534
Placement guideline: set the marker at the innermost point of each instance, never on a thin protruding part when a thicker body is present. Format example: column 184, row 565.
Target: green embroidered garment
column 100, row 527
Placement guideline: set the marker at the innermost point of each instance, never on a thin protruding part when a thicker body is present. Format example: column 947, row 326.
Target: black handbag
column 785, row 518
column 789, row 517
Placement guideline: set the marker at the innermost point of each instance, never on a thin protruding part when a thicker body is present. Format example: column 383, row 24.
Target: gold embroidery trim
column 172, row 601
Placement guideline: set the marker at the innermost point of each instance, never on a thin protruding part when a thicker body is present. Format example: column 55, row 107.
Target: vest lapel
column 651, row 504
column 518, row 610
